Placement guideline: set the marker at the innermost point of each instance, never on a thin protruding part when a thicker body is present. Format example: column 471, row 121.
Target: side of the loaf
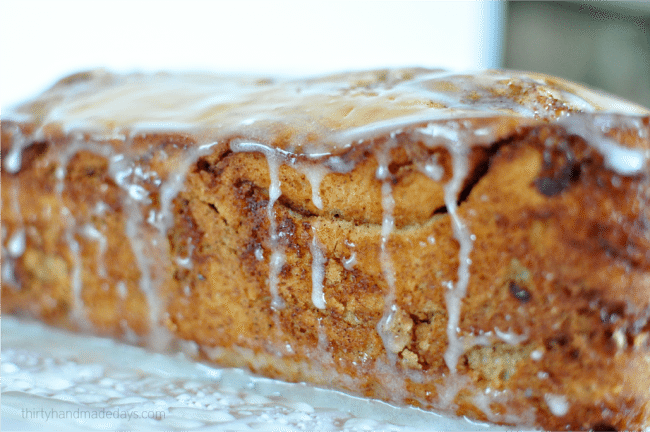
column 353, row 285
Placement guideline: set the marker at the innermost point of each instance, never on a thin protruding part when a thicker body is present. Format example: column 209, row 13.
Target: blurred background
column 602, row 44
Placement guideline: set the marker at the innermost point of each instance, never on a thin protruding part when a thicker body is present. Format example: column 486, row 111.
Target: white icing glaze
column 315, row 174
column 318, row 261
column 558, row 404
column 623, row 160
column 391, row 341
column 175, row 183
column 78, row 313
column 510, row 337
column 432, row 169
column 185, row 262
column 16, row 244
column 155, row 274
column 259, row 253
column 274, row 159
column 455, row 144
column 323, row 345
column 145, row 245
column 537, row 355
column 350, row 106
column 351, row 261
column 348, row 263
column 13, row 161
column 339, row 164
column 90, row 232
column 122, row 290
column 9, row 272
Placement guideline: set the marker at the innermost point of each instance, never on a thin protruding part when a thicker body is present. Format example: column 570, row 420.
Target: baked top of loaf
column 349, row 193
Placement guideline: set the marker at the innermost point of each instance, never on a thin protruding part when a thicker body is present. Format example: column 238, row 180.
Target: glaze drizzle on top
column 315, row 116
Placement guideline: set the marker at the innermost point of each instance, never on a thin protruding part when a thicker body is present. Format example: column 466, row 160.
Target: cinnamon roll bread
column 476, row 244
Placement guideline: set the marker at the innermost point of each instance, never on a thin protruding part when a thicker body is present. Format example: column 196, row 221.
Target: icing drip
column 259, row 254
column 558, row 404
column 14, row 160
column 149, row 245
column 274, row 160
column 164, row 219
column 490, row 338
column 5, row 254
column 339, row 165
column 318, row 261
column 122, row 291
column 454, row 297
column 186, row 261
column 78, row 312
column 140, row 241
column 453, row 138
column 510, row 337
column 16, row 244
column 432, row 168
column 146, row 246
column 390, row 339
column 485, row 400
column 623, row 160
column 349, row 263
column 121, row 169
column 314, row 174
column 9, row 271
column 277, row 254
column 93, row 233
column 322, row 348
column 390, row 309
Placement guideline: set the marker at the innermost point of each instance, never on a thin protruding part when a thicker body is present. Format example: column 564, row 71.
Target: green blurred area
column 602, row 44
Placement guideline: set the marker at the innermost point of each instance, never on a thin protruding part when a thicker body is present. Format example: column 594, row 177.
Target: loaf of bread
column 476, row 244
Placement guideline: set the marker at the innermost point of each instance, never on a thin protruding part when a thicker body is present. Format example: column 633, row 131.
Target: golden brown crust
column 554, row 327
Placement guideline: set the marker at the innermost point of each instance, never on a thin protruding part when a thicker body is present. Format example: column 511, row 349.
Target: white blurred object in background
column 45, row 40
